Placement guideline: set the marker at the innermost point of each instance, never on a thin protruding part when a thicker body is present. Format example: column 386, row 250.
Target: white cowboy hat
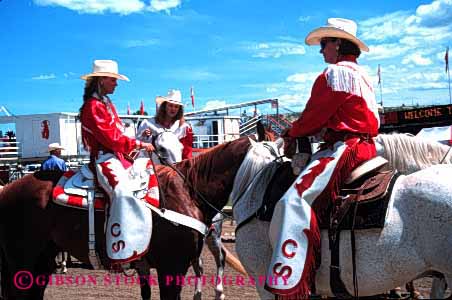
column 338, row 28
column 55, row 146
column 174, row 96
column 105, row 68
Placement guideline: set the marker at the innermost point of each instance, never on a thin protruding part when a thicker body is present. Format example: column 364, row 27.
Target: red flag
column 142, row 108
column 446, row 58
column 192, row 95
column 379, row 74
column 275, row 104
column 128, row 108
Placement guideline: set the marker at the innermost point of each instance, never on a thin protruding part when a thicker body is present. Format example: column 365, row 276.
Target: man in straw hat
column 342, row 109
column 170, row 115
column 103, row 137
column 54, row 161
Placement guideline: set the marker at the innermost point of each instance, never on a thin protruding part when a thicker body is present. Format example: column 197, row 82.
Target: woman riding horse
column 342, row 109
column 103, row 135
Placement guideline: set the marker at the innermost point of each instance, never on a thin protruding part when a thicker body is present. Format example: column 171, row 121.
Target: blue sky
column 229, row 51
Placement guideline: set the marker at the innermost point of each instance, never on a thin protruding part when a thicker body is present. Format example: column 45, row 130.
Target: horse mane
column 256, row 169
column 408, row 153
column 199, row 166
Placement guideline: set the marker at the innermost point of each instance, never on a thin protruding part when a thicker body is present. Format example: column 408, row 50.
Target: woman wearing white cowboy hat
column 343, row 110
column 103, row 136
column 170, row 115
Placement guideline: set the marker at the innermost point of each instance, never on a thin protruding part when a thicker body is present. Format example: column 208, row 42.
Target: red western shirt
column 102, row 130
column 342, row 99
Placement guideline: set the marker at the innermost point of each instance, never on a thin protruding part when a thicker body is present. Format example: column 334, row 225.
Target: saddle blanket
column 72, row 190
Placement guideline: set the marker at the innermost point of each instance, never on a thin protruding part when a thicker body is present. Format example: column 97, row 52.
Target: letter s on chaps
column 119, row 245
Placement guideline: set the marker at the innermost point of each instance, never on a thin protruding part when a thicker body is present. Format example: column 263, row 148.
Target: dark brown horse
column 32, row 227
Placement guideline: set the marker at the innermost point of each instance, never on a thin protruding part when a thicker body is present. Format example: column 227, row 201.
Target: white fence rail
column 9, row 151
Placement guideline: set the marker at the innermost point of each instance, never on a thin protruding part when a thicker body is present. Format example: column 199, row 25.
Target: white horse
column 416, row 238
column 166, row 142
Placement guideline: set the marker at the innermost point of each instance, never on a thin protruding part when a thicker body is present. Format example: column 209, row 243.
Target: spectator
column 54, row 162
column 170, row 115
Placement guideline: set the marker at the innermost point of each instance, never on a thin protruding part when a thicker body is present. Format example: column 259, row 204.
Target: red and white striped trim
column 78, row 201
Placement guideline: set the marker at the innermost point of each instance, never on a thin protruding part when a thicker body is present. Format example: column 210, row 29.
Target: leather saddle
column 368, row 188
column 72, row 188
column 362, row 204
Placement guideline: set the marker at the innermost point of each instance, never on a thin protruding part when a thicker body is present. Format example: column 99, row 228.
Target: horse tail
column 233, row 261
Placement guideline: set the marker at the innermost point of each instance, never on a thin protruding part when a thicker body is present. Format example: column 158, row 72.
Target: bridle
column 200, row 195
column 159, row 153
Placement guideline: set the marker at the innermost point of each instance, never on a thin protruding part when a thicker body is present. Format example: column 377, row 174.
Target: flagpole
column 446, row 60
column 381, row 95
column 381, row 89
column 450, row 96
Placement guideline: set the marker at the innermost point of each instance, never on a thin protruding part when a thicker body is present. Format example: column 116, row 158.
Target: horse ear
column 260, row 131
column 279, row 143
column 252, row 142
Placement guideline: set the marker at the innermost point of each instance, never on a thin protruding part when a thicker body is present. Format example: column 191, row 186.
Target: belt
column 332, row 136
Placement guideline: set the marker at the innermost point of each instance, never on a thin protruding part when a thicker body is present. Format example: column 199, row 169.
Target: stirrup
column 94, row 258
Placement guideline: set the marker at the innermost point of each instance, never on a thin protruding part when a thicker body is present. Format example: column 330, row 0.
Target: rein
column 224, row 215
column 165, row 162
column 445, row 155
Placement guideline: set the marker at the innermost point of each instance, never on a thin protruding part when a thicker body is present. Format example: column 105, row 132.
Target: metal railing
column 249, row 126
column 210, row 140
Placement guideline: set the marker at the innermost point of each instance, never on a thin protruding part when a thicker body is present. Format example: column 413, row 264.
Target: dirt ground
column 100, row 285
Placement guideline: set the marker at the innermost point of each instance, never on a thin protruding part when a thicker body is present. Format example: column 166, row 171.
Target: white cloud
column 384, row 27
column 302, row 77
column 294, row 102
column 271, row 90
column 275, row 49
column 141, row 43
column 417, row 59
column 382, row 51
column 44, row 77
column 211, row 104
column 68, row 74
column 304, row 18
column 430, row 22
column 190, row 74
column 437, row 13
column 166, row 5
column 122, row 7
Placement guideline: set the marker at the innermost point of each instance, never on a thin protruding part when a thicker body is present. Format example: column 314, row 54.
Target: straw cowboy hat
column 105, row 68
column 174, row 96
column 55, row 146
column 338, row 28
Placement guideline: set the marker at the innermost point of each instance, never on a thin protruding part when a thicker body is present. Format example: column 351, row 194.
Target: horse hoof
column 395, row 293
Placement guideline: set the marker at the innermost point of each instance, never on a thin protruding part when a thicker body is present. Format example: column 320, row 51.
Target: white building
column 35, row 132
